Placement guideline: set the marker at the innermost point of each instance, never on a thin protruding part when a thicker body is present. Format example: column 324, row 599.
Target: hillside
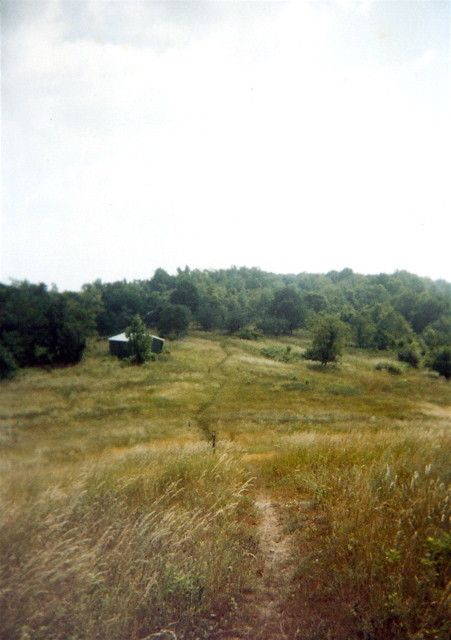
column 323, row 511
column 400, row 312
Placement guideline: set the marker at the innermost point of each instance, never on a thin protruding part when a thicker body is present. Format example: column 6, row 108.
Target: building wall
column 157, row 345
column 119, row 349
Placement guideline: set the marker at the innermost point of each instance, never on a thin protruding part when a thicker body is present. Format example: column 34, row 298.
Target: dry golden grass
column 118, row 521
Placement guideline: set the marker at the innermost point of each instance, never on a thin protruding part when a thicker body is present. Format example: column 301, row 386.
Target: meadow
column 119, row 520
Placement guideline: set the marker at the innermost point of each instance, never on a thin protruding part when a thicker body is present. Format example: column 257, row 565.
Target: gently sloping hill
column 264, row 614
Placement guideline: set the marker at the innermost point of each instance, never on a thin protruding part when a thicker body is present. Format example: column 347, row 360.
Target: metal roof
column 121, row 337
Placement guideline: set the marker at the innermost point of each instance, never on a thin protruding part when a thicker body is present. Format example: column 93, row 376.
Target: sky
column 302, row 136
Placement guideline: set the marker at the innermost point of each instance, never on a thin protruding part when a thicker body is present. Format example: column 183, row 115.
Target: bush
column 410, row 356
column 8, row 366
column 391, row 367
column 249, row 334
column 280, row 354
column 441, row 362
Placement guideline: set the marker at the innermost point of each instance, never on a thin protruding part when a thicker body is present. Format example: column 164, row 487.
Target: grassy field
column 119, row 522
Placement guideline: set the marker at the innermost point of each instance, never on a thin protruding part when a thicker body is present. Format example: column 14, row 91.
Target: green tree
column 120, row 302
column 174, row 320
column 185, row 293
column 237, row 315
column 329, row 334
column 139, row 340
column 362, row 328
column 41, row 327
column 428, row 309
column 315, row 301
column 286, row 312
column 390, row 327
column 162, row 281
column 438, row 333
column 211, row 314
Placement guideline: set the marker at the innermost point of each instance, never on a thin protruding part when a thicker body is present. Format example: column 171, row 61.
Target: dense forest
column 401, row 312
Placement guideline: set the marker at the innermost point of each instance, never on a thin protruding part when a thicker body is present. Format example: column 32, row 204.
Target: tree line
column 400, row 311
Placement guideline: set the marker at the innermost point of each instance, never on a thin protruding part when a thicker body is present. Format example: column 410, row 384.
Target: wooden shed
column 120, row 347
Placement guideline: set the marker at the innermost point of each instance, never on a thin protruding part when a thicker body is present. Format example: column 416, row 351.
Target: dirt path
column 264, row 613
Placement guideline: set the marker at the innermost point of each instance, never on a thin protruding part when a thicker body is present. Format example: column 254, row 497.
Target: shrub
column 441, row 362
column 8, row 365
column 249, row 334
column 391, row 367
column 410, row 356
column 280, row 354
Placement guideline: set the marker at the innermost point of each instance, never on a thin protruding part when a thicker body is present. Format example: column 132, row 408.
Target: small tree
column 328, row 339
column 139, row 340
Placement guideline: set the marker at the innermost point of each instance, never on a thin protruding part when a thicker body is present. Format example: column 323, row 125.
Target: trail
column 263, row 614
column 203, row 421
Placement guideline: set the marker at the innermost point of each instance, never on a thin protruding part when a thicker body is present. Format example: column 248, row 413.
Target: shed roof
column 121, row 337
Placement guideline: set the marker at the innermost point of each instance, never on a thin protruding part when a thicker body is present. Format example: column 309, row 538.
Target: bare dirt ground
column 264, row 614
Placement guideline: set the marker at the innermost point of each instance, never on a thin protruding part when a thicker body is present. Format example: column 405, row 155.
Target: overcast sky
column 290, row 136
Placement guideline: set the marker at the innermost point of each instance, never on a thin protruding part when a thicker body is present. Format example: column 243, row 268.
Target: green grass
column 118, row 521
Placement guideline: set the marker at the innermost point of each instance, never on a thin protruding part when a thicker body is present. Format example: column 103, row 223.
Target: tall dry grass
column 371, row 516
column 127, row 549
